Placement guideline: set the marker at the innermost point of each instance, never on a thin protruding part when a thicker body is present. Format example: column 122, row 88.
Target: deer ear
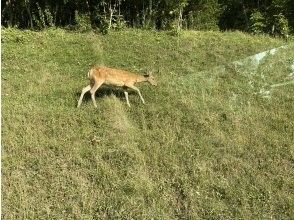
column 150, row 73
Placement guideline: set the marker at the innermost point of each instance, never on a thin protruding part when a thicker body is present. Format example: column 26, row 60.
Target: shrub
column 43, row 19
column 83, row 21
column 280, row 25
column 257, row 22
column 206, row 18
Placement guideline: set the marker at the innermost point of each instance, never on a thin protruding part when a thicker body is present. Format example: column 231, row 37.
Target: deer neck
column 141, row 79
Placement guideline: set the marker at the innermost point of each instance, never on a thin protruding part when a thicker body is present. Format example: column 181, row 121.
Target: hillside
column 212, row 141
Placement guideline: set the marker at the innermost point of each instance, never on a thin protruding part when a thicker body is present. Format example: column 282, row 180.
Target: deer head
column 150, row 78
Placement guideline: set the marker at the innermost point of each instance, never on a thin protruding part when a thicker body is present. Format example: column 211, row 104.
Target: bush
column 257, row 22
column 83, row 22
column 119, row 23
column 43, row 18
column 280, row 25
column 205, row 19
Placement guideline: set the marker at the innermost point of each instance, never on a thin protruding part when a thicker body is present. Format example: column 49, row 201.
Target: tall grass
column 207, row 144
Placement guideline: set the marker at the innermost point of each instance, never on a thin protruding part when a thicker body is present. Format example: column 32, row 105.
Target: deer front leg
column 138, row 91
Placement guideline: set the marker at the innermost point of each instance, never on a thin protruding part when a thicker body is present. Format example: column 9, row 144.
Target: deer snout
column 152, row 81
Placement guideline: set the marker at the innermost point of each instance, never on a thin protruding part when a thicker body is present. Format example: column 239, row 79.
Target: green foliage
column 206, row 18
column 202, row 21
column 39, row 19
column 149, row 14
column 43, row 18
column 280, row 25
column 83, row 22
column 205, row 145
column 49, row 17
column 119, row 23
column 253, row 15
column 257, row 22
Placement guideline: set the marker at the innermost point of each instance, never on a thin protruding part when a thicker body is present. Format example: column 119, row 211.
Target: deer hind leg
column 127, row 98
column 86, row 89
column 93, row 91
column 138, row 91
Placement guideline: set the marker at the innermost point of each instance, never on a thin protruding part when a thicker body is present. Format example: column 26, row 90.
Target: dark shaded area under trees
column 257, row 16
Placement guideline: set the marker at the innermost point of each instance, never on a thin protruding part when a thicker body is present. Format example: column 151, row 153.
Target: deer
column 99, row 75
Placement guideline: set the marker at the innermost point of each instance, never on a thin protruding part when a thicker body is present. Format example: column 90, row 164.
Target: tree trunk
column 110, row 16
column 55, row 13
column 30, row 15
column 10, row 13
column 245, row 15
column 180, row 19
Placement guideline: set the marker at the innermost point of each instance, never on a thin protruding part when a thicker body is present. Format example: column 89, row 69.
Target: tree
column 246, row 15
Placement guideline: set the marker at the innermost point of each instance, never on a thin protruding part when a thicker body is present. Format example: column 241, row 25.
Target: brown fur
column 99, row 75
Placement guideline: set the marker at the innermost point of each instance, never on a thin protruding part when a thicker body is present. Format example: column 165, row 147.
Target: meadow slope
column 207, row 145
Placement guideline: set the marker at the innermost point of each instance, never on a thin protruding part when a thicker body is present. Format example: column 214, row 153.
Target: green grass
column 207, row 144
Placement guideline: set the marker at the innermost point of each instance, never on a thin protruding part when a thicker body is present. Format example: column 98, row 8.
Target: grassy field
column 207, row 144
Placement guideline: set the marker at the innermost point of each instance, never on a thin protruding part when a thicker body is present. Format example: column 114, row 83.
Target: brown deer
column 99, row 75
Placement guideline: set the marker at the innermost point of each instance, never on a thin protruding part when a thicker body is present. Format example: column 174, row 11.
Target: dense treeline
column 257, row 16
